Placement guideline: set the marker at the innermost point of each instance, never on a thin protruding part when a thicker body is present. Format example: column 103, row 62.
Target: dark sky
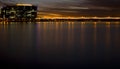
column 74, row 7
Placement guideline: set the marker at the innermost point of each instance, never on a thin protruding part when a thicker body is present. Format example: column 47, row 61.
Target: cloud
column 105, row 3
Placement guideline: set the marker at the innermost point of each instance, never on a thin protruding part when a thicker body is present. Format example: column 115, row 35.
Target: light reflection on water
column 61, row 43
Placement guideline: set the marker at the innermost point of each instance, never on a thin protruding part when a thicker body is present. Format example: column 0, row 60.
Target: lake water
column 60, row 45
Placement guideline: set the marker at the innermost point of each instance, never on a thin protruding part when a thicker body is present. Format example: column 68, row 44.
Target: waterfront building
column 19, row 11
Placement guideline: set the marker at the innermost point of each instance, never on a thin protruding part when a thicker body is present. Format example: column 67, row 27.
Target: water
column 60, row 45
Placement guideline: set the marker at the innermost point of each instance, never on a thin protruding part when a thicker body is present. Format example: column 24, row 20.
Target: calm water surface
column 60, row 44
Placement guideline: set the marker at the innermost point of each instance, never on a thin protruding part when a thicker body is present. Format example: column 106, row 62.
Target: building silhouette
column 19, row 11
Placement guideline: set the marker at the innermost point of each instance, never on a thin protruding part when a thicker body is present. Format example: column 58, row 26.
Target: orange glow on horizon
column 57, row 15
column 53, row 16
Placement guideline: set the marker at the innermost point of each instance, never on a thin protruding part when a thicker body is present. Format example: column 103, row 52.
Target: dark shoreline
column 44, row 20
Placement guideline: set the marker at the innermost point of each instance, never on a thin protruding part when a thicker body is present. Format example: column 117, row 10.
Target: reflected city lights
column 82, row 22
column 117, row 22
column 60, row 42
column 108, row 23
column 108, row 34
column 82, row 36
column 95, row 23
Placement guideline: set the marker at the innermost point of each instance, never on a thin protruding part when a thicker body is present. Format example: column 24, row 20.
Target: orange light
column 24, row 4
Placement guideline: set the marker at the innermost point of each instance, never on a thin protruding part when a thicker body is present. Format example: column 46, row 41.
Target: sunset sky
column 74, row 8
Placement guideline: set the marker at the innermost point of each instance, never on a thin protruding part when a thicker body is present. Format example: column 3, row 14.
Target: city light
column 24, row 4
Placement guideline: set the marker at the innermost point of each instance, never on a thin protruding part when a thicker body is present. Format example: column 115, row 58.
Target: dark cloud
column 86, row 8
column 105, row 3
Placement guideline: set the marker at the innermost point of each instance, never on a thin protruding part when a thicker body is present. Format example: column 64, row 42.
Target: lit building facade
column 19, row 11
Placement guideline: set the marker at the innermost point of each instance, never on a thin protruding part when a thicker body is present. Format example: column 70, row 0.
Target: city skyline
column 73, row 8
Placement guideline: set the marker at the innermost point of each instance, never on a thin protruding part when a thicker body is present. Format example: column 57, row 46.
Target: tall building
column 19, row 11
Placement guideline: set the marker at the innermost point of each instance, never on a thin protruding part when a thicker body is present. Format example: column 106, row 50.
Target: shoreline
column 44, row 20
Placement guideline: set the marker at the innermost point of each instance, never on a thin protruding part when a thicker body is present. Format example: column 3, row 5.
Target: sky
column 73, row 8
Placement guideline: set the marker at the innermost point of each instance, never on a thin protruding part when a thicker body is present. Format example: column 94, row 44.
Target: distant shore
column 42, row 20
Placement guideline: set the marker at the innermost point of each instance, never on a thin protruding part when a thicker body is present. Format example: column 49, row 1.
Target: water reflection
column 107, row 34
column 61, row 43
